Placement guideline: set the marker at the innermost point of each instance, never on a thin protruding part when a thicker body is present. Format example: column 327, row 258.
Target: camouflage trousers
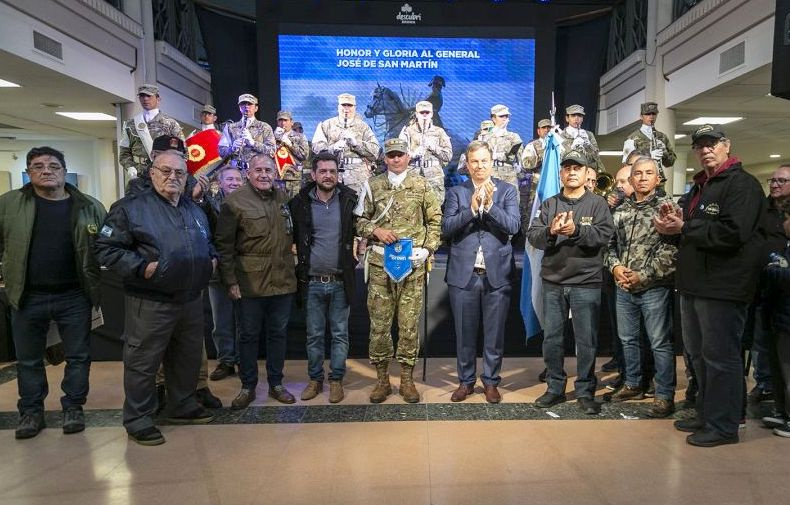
column 354, row 175
column 435, row 176
column 290, row 186
column 387, row 299
column 508, row 174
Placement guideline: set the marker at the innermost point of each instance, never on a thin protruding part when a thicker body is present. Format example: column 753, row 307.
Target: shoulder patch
column 92, row 229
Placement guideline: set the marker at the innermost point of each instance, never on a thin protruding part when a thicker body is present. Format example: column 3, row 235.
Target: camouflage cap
column 346, row 98
column 148, row 89
column 648, row 108
column 208, row 109
column 395, row 145
column 544, row 123
column 707, row 131
column 284, row 114
column 486, row 124
column 167, row 143
column 500, row 110
column 575, row 156
column 246, row 97
column 424, row 105
column 574, row 109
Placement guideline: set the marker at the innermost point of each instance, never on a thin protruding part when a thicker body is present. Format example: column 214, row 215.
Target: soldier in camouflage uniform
column 505, row 145
column 246, row 137
column 643, row 265
column 351, row 140
column 290, row 141
column 575, row 138
column 397, row 204
column 139, row 132
column 429, row 147
column 483, row 134
column 647, row 139
column 531, row 157
column 208, row 120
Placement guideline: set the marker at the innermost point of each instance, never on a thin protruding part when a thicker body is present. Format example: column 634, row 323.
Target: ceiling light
column 774, row 155
column 611, row 153
column 8, row 84
column 87, row 116
column 711, row 120
column 679, row 136
column 689, row 170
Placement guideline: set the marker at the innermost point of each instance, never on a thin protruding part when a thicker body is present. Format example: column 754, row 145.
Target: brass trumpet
column 604, row 184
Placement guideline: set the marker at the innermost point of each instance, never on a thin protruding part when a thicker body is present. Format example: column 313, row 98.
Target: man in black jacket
column 720, row 240
column 159, row 242
column 324, row 233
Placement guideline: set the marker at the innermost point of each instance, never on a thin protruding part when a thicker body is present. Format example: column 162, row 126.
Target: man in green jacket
column 47, row 230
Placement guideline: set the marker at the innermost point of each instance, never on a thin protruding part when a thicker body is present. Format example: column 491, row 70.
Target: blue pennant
column 396, row 259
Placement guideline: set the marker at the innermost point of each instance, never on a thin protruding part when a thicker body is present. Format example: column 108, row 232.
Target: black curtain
column 579, row 64
column 231, row 47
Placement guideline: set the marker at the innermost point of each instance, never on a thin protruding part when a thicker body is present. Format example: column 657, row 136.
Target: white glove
column 340, row 145
column 577, row 142
column 248, row 137
column 132, row 172
column 660, row 145
column 350, row 140
column 239, row 143
column 278, row 132
column 285, row 140
column 419, row 254
column 657, row 154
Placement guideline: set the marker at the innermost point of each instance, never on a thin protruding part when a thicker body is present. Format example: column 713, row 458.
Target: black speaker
column 780, row 68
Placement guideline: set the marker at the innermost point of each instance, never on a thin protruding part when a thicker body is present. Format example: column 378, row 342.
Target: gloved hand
column 419, row 255
column 132, row 172
column 657, row 154
column 577, row 142
column 660, row 144
column 350, row 140
column 338, row 146
column 278, row 133
column 239, row 143
column 248, row 137
column 285, row 140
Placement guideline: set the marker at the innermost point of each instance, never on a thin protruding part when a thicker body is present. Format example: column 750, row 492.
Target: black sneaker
column 710, row 438
column 610, row 366
column 542, row 375
column 222, row 371
column 196, row 416
column 783, row 430
column 207, row 399
column 589, row 406
column 689, row 425
column 148, row 436
column 73, row 420
column 616, row 383
column 774, row 420
column 549, row 400
column 30, row 425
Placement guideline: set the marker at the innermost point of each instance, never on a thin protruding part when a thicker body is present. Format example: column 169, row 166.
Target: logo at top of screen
column 406, row 16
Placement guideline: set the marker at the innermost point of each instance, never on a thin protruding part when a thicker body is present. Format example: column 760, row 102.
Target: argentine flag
column 531, row 283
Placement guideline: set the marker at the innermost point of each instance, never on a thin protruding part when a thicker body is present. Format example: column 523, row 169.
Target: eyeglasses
column 779, row 181
column 167, row 172
column 39, row 167
column 709, row 143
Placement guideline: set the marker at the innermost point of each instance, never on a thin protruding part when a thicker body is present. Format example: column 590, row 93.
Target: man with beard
column 429, row 147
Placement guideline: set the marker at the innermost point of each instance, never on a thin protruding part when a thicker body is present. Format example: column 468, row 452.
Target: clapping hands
column 669, row 220
column 563, row 224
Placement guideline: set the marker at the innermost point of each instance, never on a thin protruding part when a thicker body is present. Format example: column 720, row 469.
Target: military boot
column 383, row 388
column 407, row 389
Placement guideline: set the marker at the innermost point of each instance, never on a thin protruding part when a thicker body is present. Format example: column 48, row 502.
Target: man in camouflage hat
column 531, row 157
column 429, row 147
column 350, row 139
column 575, row 138
column 504, row 144
column 398, row 204
column 246, row 137
column 647, row 139
column 208, row 120
column 294, row 144
column 484, row 135
column 139, row 132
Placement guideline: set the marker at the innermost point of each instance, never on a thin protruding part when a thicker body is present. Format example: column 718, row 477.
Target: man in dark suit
column 480, row 216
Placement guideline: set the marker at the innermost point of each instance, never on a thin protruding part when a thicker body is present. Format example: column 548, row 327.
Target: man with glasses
column 254, row 238
column 247, row 137
column 720, row 241
column 429, row 147
column 47, row 230
column 504, row 145
column 647, row 139
column 158, row 241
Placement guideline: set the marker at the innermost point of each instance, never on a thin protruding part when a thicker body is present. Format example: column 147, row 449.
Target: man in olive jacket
column 254, row 237
column 47, row 230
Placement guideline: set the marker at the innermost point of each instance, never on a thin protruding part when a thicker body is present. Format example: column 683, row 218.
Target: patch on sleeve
column 106, row 231
column 586, row 220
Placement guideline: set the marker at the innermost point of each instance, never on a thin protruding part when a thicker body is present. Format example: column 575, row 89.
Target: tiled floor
column 302, row 454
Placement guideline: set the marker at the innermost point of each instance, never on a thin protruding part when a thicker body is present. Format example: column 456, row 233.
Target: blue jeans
column 225, row 335
column 654, row 306
column 268, row 316
column 585, row 305
column 71, row 311
column 760, row 349
column 326, row 301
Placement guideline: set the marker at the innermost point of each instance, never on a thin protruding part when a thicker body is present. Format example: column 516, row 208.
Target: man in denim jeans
column 643, row 264
column 324, row 235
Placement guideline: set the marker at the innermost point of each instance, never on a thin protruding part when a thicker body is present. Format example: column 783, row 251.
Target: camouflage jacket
column 262, row 140
column 638, row 141
column 330, row 133
column 531, row 155
column 505, row 145
column 131, row 151
column 582, row 140
column 637, row 245
column 415, row 211
column 428, row 148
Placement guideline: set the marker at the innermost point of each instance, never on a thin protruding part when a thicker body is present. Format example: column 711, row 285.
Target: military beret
column 574, row 109
column 395, row 145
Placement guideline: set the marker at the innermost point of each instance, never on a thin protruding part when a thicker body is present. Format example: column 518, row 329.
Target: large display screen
column 462, row 77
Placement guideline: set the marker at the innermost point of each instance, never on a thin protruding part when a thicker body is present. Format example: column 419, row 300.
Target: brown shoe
column 313, row 389
column 462, row 392
column 383, row 387
column 336, row 391
column 408, row 390
column 661, row 408
column 281, row 394
column 492, row 393
column 243, row 399
column 628, row 393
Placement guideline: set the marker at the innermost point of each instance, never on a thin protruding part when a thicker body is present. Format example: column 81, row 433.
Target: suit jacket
column 493, row 230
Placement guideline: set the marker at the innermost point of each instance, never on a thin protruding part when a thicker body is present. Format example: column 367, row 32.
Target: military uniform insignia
column 586, row 221
column 106, row 231
column 141, row 126
column 93, row 229
column 712, row 209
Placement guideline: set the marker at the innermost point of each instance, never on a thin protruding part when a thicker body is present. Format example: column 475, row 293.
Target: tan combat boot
column 407, row 389
column 383, row 388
